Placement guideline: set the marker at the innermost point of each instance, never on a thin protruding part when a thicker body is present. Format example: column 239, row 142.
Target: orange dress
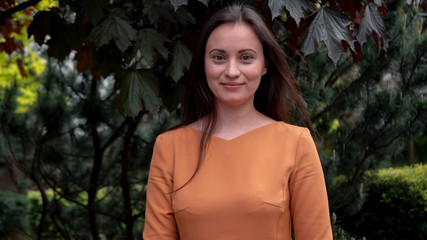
column 256, row 186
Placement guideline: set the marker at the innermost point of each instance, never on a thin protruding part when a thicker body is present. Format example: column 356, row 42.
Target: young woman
column 236, row 169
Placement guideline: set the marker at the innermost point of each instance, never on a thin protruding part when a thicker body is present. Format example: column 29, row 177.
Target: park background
column 87, row 85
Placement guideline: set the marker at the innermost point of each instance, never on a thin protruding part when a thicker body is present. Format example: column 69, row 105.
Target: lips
column 232, row 85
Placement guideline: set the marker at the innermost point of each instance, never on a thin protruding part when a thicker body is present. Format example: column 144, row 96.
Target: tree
column 127, row 36
column 134, row 55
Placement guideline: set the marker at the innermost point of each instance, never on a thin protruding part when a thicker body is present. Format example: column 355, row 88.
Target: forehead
column 240, row 35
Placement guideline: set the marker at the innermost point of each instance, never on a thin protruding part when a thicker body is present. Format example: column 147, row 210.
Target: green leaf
column 160, row 14
column 113, row 28
column 173, row 97
column 61, row 44
column 184, row 17
column 94, row 10
column 44, row 23
column 329, row 26
column 138, row 92
column 296, row 8
column 372, row 23
column 149, row 40
column 204, row 2
column 181, row 59
column 177, row 3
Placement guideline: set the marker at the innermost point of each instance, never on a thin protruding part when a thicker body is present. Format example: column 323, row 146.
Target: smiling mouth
column 232, row 86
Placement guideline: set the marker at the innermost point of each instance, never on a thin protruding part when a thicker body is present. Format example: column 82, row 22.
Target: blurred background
column 87, row 85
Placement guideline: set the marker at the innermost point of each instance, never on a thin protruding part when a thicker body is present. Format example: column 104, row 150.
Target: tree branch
column 9, row 12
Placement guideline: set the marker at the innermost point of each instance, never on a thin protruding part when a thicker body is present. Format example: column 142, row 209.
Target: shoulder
column 291, row 131
column 170, row 135
column 177, row 136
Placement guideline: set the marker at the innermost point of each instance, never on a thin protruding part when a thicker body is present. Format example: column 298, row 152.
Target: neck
column 233, row 121
column 230, row 117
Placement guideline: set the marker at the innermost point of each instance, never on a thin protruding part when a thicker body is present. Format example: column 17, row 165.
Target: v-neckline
column 250, row 132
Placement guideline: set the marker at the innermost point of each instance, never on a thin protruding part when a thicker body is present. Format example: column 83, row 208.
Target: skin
column 234, row 64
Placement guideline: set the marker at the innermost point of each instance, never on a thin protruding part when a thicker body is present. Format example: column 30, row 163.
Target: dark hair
column 278, row 95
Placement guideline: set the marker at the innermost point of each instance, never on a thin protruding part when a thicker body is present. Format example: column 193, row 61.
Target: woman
column 236, row 169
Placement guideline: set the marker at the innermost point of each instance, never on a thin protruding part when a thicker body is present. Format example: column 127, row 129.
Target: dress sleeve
column 309, row 201
column 159, row 215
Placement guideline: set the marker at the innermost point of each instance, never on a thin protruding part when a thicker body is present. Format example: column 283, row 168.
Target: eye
column 247, row 58
column 218, row 58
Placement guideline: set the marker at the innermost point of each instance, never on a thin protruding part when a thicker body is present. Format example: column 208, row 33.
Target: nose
column 232, row 70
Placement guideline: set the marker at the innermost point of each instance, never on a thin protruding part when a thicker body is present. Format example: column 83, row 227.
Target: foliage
column 20, row 63
column 123, row 37
column 421, row 144
column 71, row 214
column 379, row 107
column 13, row 210
column 395, row 206
column 73, row 140
column 75, row 147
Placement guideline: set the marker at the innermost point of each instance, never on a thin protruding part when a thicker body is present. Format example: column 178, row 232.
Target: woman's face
column 234, row 64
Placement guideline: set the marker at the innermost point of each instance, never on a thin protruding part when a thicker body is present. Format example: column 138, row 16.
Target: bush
column 339, row 233
column 13, row 210
column 395, row 207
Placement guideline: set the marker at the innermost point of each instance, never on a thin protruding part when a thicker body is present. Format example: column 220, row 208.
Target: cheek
column 212, row 71
column 253, row 73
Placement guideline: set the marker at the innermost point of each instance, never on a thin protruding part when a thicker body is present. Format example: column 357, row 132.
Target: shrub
column 13, row 210
column 395, row 207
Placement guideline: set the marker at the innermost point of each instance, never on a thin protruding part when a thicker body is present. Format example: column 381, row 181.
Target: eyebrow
column 240, row 51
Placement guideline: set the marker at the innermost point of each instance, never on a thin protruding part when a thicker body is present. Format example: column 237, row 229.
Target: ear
column 264, row 70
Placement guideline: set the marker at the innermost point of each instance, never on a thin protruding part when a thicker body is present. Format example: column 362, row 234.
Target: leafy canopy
column 122, row 38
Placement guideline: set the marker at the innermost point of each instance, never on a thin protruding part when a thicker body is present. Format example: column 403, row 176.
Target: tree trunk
column 129, row 220
column 93, row 189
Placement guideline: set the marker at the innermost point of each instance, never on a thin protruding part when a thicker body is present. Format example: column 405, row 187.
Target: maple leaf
column 159, row 13
column 329, row 26
column 177, row 3
column 84, row 59
column 65, row 40
column 21, row 67
column 94, row 10
column 137, row 92
column 149, row 40
column 113, row 28
column 204, row 2
column 373, row 24
column 296, row 8
column 184, row 17
column 181, row 59
column 44, row 23
column 351, row 7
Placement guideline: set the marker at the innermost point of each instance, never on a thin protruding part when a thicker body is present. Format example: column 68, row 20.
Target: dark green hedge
column 13, row 211
column 395, row 207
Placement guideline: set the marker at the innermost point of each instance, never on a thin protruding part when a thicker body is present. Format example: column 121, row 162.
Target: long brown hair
column 278, row 95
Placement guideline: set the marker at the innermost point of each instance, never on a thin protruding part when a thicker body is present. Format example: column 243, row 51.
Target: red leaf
column 21, row 67
column 382, row 10
column 356, row 53
column 84, row 60
column 351, row 7
column 376, row 40
column 295, row 31
column 358, row 49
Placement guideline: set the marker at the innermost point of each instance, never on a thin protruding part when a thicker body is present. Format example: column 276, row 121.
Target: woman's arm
column 159, row 215
column 309, row 200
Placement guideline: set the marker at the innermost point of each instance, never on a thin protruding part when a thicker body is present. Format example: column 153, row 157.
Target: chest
column 235, row 180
